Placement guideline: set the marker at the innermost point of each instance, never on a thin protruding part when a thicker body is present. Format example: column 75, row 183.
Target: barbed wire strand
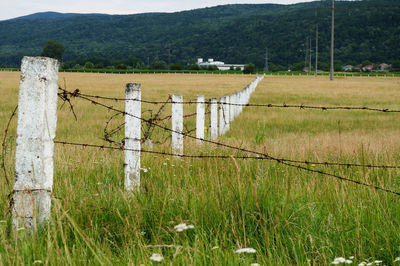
column 4, row 145
column 295, row 106
column 236, row 157
column 243, row 150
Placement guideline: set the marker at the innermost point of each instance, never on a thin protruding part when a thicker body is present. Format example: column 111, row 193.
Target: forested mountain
column 365, row 30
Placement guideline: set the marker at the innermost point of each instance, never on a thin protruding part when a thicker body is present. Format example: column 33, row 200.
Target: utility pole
column 332, row 40
column 309, row 63
column 266, row 68
column 306, row 55
column 316, row 52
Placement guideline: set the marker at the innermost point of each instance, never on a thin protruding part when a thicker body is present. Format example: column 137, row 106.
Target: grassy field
column 289, row 216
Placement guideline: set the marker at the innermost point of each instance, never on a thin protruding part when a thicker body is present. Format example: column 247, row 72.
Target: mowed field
column 289, row 216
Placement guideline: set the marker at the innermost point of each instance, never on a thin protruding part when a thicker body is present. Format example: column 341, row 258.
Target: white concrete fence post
column 200, row 118
column 222, row 107
column 177, row 124
column 232, row 107
column 132, row 136
column 36, row 130
column 227, row 113
column 224, row 115
column 213, row 119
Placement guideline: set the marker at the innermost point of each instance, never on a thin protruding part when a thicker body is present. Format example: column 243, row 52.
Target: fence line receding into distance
column 31, row 196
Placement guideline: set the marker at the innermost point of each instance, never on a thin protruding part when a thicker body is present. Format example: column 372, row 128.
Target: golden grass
column 288, row 132
column 291, row 217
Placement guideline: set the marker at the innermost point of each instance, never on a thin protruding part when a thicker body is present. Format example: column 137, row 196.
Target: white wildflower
column 369, row 263
column 145, row 170
column 362, row 264
column 38, row 262
column 213, row 248
column 164, row 163
column 254, row 264
column 156, row 257
column 245, row 250
column 378, row 262
column 351, row 258
column 341, row 260
column 183, row 227
column 396, row 259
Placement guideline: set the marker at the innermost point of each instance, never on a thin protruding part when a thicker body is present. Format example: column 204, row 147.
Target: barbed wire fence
column 154, row 122
column 38, row 117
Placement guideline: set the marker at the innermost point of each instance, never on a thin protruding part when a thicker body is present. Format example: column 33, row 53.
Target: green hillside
column 365, row 30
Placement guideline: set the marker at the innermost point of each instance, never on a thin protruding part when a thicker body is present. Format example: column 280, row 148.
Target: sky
column 16, row 8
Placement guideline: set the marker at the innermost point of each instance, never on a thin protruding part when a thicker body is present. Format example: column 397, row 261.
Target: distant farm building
column 220, row 65
column 368, row 68
column 347, row 68
column 384, row 67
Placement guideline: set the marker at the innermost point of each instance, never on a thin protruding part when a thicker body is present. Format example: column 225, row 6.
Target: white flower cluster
column 156, row 257
column 245, row 250
column 340, row 260
column 183, row 227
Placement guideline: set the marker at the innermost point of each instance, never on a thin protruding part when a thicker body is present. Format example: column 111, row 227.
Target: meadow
column 289, row 216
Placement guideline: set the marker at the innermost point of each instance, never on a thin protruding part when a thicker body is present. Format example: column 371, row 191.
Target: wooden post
column 177, row 124
column 214, row 119
column 200, row 118
column 36, row 129
column 132, row 136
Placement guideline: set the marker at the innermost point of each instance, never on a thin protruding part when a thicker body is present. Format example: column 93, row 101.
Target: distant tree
column 193, row 67
column 99, row 65
column 140, row 65
column 89, row 65
column 122, row 66
column 158, row 64
column 238, row 69
column 53, row 50
column 249, row 69
column 212, row 68
column 396, row 65
column 366, row 63
column 176, row 66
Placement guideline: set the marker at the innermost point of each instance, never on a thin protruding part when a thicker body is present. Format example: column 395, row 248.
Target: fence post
column 222, row 107
column 36, row 129
column 200, row 117
column 224, row 115
column 132, row 136
column 177, row 124
column 214, row 119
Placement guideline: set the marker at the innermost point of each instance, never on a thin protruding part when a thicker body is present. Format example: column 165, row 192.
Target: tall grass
column 289, row 216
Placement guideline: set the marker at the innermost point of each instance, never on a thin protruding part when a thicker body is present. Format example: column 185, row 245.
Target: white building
column 221, row 65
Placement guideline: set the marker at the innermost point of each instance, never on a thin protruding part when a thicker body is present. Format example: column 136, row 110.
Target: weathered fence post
column 224, row 115
column 227, row 113
column 36, row 129
column 200, row 117
column 177, row 124
column 213, row 119
column 132, row 136
column 232, row 107
column 222, row 107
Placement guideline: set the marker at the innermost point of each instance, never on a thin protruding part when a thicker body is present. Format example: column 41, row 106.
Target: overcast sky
column 16, row 8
